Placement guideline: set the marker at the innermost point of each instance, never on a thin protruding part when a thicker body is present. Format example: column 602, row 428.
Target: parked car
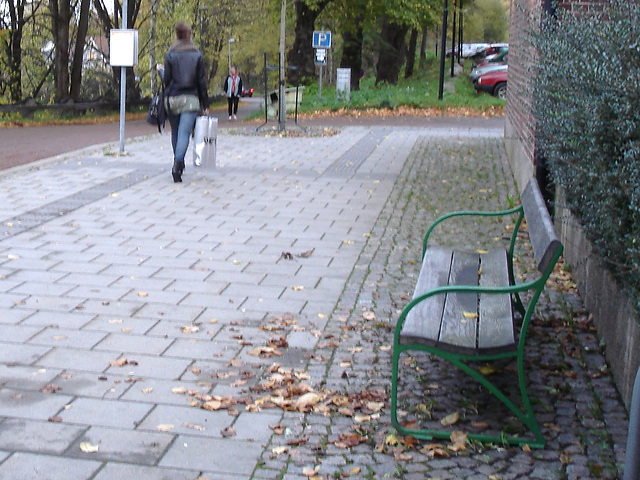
column 469, row 49
column 247, row 92
column 494, row 83
column 501, row 57
column 492, row 67
column 490, row 52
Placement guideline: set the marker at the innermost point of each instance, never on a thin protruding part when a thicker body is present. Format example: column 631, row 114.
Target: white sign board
column 123, row 46
column 321, row 56
column 343, row 84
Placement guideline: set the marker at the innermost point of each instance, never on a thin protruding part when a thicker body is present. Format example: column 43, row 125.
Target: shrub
column 588, row 114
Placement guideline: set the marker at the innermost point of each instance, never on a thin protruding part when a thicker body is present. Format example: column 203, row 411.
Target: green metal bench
column 462, row 311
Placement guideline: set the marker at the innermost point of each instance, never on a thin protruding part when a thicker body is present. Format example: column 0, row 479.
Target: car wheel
column 501, row 91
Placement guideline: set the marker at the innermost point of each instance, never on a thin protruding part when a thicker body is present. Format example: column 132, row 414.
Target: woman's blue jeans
column 181, row 128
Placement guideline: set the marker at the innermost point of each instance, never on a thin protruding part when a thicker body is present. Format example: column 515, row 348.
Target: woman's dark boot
column 176, row 172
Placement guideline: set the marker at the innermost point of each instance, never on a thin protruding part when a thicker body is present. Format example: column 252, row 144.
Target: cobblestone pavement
column 238, row 325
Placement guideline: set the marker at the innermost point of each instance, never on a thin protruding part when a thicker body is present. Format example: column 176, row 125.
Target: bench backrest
column 543, row 236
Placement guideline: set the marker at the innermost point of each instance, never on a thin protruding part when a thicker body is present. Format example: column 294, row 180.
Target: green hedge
column 588, row 113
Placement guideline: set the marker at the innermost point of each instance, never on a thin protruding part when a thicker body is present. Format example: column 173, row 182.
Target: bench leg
column 525, row 414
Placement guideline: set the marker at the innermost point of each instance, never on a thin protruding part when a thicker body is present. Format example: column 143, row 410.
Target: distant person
column 184, row 79
column 233, row 90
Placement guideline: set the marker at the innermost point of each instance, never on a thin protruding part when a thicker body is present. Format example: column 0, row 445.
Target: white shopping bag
column 205, row 137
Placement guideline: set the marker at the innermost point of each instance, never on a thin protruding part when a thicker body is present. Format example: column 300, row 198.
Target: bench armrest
column 471, row 213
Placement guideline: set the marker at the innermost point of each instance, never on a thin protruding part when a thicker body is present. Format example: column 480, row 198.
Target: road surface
column 23, row 145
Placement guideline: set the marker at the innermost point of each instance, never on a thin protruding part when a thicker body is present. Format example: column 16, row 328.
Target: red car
column 247, row 92
column 494, row 83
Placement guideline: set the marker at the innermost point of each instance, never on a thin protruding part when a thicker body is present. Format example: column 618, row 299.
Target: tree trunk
column 392, row 52
column 301, row 54
column 15, row 66
column 14, row 50
column 352, row 54
column 78, row 54
column 411, row 56
column 60, row 18
column 423, row 50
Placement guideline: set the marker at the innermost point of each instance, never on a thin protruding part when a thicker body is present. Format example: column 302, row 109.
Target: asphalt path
column 26, row 144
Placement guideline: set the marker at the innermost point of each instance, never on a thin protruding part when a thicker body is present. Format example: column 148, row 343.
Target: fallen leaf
column 280, row 450
column 50, row 388
column 402, row 457
column 165, row 427
column 120, row 362
column 296, row 442
column 370, row 316
column 310, row 471
column 297, row 288
column 190, row 329
column 212, row 405
column 361, row 418
column 480, row 425
column 434, row 450
column 487, row 369
column 143, row 294
column 307, row 401
column 193, row 426
column 391, row 440
column 450, row 419
column 278, row 429
column 86, row 447
column 179, row 390
column 469, row 315
column 228, row 432
column 348, row 440
column 459, row 440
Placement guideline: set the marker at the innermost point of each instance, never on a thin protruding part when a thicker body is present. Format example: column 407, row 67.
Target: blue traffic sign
column 321, row 39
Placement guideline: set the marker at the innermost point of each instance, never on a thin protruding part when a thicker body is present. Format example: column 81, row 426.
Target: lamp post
column 231, row 40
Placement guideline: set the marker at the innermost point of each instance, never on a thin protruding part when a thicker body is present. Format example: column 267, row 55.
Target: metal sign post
column 321, row 61
column 123, row 45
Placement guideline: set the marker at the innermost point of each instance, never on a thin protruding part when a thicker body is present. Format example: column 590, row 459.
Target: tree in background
column 486, row 21
column 301, row 54
column 13, row 20
column 62, row 12
column 399, row 18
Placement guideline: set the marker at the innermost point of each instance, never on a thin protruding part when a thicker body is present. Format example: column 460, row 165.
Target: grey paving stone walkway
column 237, row 325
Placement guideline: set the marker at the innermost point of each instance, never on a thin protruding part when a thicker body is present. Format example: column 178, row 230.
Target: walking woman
column 184, row 79
column 233, row 89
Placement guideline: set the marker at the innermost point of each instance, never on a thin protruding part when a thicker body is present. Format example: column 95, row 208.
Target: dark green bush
column 588, row 114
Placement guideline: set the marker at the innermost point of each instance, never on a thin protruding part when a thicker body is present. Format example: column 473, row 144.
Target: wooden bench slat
column 459, row 331
column 419, row 326
column 495, row 329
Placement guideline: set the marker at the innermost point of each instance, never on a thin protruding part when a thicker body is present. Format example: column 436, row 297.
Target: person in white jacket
column 233, row 90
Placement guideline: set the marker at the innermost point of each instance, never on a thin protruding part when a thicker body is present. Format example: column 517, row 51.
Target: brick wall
column 520, row 131
column 519, row 125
